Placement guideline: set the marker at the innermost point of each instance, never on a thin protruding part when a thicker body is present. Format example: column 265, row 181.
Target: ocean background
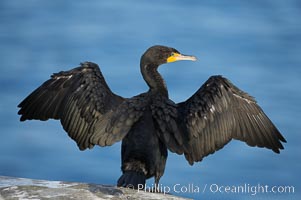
column 256, row 44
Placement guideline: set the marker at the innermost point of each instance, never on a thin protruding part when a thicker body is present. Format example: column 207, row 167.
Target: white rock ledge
column 22, row 188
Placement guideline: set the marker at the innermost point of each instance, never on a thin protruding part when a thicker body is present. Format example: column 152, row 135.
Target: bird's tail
column 132, row 179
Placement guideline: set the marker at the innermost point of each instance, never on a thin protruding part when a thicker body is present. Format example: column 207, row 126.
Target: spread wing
column 88, row 110
column 217, row 113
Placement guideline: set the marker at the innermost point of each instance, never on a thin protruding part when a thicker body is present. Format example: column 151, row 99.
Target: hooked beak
column 176, row 57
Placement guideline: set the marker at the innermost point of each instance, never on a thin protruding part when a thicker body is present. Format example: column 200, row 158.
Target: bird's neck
column 153, row 78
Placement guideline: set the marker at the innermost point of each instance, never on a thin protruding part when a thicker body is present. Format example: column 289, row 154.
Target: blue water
column 256, row 44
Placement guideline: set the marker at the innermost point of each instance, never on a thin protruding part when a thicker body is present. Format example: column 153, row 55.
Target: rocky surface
column 21, row 188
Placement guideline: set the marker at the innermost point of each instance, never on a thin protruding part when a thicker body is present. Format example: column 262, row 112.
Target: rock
column 22, row 188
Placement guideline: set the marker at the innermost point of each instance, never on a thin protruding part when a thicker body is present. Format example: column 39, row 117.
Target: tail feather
column 132, row 179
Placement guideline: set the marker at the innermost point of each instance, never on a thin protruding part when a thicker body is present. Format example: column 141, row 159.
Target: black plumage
column 150, row 124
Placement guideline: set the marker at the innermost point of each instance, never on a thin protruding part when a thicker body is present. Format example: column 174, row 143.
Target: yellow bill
column 177, row 56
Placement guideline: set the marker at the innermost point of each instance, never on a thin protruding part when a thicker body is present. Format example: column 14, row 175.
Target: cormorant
column 150, row 123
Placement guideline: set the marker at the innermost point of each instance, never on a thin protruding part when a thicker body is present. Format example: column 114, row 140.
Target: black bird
column 150, row 123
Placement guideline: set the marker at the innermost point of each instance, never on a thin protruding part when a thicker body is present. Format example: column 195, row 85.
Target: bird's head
column 158, row 55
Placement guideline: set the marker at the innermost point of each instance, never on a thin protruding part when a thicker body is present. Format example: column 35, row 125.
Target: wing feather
column 219, row 112
column 89, row 111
